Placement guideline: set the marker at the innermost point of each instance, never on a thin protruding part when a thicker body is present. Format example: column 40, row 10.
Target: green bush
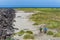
column 21, row 32
column 28, row 36
column 30, row 32
column 57, row 35
column 50, row 33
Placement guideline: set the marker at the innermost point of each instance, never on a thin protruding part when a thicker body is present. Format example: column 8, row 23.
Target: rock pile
column 6, row 21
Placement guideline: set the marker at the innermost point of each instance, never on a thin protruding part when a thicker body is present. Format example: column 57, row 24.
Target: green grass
column 48, row 16
column 57, row 35
column 29, row 32
column 39, row 9
column 44, row 18
column 50, row 33
column 8, row 38
column 28, row 36
column 20, row 33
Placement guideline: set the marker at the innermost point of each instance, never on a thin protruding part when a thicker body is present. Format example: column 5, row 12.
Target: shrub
column 30, row 32
column 21, row 32
column 28, row 36
column 50, row 33
column 57, row 35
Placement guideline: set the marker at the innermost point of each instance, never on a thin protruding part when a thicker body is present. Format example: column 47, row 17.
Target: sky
column 29, row 3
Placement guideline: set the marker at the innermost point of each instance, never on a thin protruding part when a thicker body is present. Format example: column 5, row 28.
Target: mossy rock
column 20, row 33
column 28, row 36
column 57, row 35
column 29, row 32
column 50, row 33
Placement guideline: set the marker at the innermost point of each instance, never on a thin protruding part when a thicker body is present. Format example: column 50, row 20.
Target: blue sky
column 29, row 3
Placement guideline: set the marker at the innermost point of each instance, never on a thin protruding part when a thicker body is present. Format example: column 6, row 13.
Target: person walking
column 40, row 29
column 45, row 30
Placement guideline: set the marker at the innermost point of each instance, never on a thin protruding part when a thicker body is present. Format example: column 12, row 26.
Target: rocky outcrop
column 6, row 21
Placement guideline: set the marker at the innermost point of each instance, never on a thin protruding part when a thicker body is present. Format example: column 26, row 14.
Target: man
column 45, row 30
column 40, row 29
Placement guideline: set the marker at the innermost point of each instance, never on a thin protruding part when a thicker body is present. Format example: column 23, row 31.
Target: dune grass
column 39, row 9
column 50, row 33
column 29, row 32
column 28, row 36
column 48, row 16
column 57, row 34
column 20, row 33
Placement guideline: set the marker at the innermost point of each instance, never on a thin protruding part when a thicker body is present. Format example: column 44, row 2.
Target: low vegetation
column 28, row 36
column 29, row 32
column 39, row 9
column 45, row 18
column 48, row 16
column 21, row 32
column 50, row 33
column 8, row 38
column 57, row 35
